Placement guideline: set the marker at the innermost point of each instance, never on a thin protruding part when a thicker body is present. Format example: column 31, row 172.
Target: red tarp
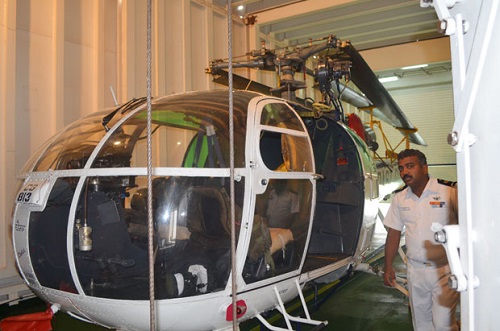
column 28, row 322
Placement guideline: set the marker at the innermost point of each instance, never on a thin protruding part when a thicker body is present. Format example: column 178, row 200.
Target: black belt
column 430, row 263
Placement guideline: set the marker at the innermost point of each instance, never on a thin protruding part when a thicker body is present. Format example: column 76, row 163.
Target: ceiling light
column 240, row 8
column 388, row 79
column 415, row 67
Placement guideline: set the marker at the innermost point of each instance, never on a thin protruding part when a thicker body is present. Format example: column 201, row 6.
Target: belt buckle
column 434, row 264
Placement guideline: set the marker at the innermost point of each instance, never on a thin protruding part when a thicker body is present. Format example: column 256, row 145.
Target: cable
column 231, row 164
column 152, row 315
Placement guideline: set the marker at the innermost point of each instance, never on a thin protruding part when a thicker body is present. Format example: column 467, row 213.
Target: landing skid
column 288, row 318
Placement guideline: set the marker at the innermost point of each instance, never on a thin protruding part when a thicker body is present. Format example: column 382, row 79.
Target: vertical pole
column 149, row 176
column 231, row 161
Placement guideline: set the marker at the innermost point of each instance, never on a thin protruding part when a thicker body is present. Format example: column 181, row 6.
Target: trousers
column 433, row 303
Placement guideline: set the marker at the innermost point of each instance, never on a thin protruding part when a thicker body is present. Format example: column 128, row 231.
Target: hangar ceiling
column 367, row 24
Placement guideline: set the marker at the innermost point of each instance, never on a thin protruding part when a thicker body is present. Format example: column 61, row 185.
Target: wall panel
column 174, row 39
column 430, row 109
column 219, row 31
column 198, row 39
column 7, row 132
column 34, row 79
column 137, row 48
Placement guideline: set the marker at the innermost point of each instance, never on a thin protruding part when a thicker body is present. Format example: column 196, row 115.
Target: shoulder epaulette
column 447, row 182
column 400, row 189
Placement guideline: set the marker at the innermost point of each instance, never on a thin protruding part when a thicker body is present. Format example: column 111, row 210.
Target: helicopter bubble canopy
column 87, row 232
column 109, row 205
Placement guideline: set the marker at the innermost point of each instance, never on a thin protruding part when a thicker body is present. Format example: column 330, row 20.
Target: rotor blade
column 387, row 109
column 241, row 83
column 350, row 96
column 359, row 101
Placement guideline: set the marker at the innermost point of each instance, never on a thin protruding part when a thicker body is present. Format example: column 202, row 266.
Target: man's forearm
column 391, row 246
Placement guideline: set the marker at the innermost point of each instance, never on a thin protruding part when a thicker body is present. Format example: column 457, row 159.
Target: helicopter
column 306, row 193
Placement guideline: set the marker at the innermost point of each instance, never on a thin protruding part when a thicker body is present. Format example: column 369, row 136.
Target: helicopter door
column 283, row 192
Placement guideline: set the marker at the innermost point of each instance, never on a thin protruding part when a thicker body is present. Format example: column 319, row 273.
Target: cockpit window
column 73, row 147
column 183, row 135
column 283, row 144
column 279, row 231
column 280, row 115
column 192, row 227
column 127, row 146
column 283, row 211
column 187, row 132
column 47, row 233
column 285, row 152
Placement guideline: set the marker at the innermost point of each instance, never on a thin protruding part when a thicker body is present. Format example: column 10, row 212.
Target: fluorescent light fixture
column 388, row 79
column 415, row 67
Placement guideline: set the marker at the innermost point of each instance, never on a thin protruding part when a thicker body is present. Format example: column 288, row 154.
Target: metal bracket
column 449, row 237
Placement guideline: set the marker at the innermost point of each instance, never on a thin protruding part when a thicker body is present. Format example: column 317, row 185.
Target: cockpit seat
column 210, row 224
column 113, row 254
column 203, row 265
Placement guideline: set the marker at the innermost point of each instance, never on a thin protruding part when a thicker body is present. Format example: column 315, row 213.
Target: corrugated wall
column 430, row 109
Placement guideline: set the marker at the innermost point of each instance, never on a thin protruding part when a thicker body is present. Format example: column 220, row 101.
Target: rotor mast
column 288, row 63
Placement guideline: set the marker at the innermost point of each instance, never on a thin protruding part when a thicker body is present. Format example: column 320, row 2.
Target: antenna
column 113, row 94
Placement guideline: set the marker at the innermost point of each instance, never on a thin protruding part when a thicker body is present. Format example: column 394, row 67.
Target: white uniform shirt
column 438, row 203
column 280, row 207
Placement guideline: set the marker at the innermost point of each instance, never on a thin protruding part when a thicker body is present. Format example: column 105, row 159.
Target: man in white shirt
column 282, row 206
column 424, row 200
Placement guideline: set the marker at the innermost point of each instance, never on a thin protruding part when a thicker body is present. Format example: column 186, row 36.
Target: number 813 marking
column 24, row 197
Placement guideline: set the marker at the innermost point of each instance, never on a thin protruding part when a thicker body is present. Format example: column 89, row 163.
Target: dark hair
column 413, row 152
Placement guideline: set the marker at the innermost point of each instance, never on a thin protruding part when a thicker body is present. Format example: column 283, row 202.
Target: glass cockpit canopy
column 188, row 131
column 190, row 207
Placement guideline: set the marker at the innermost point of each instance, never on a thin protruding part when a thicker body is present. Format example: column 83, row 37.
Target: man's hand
column 389, row 276
column 391, row 249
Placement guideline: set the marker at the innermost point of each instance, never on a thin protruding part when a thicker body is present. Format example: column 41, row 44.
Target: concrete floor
column 365, row 304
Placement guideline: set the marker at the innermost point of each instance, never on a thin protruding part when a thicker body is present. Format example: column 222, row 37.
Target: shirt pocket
column 406, row 214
